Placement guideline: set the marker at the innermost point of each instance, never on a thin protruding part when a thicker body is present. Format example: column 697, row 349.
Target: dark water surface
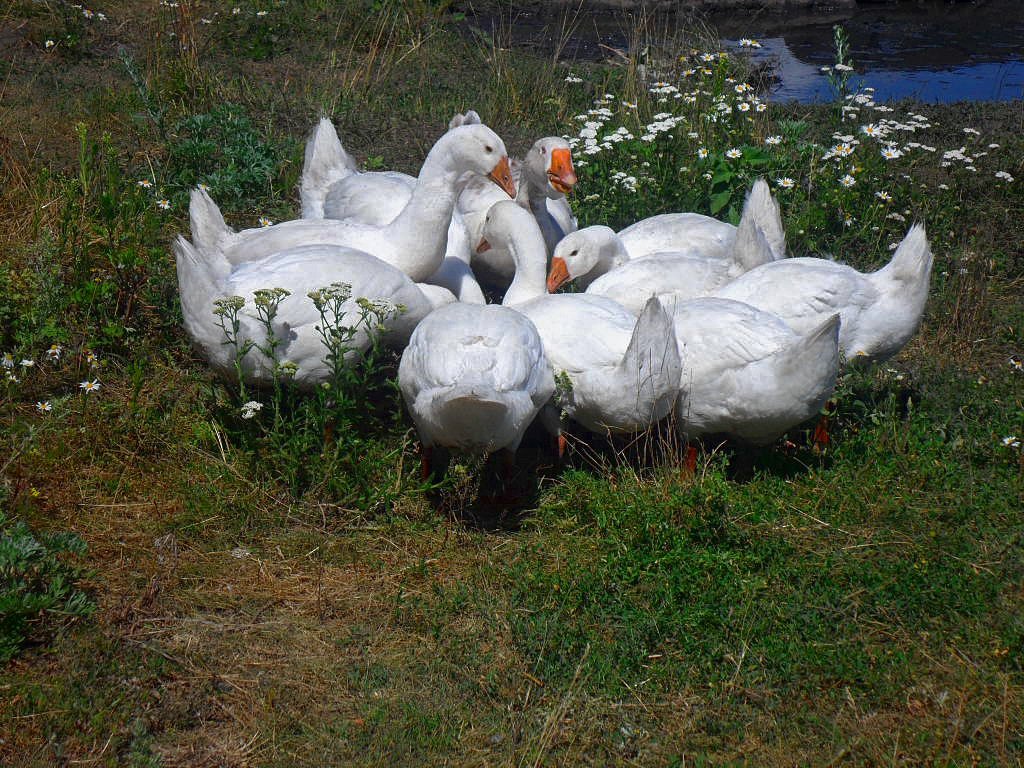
column 932, row 50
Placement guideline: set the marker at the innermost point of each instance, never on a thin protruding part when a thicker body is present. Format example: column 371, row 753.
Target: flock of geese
column 678, row 312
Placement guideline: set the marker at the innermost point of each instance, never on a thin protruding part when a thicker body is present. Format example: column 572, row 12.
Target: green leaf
column 724, row 175
column 719, row 201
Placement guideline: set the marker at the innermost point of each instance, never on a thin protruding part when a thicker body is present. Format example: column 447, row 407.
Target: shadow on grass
column 496, row 493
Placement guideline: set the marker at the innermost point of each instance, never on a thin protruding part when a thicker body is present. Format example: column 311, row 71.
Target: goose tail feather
column 200, row 277
column 763, row 210
column 912, row 262
column 652, row 360
column 209, row 230
column 326, row 162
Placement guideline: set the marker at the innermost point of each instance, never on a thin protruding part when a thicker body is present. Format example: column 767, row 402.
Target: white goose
column 544, row 178
column 415, row 242
column 624, row 372
column 206, row 276
column 474, row 378
column 548, row 175
column 589, row 253
column 880, row 311
column 687, row 274
column 332, row 187
column 746, row 373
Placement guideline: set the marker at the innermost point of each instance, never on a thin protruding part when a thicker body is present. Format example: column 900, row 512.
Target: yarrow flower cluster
column 624, row 180
column 251, row 408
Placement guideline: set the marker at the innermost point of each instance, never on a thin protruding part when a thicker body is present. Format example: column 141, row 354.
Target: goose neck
column 611, row 256
column 530, row 257
column 420, row 231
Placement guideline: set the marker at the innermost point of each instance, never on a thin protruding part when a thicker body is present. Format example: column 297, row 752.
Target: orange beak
column 558, row 275
column 501, row 175
column 483, row 245
column 561, row 174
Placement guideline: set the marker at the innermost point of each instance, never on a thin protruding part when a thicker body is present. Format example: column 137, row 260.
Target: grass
column 779, row 607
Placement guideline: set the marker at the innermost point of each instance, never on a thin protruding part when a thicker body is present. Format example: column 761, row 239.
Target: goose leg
column 820, row 438
column 433, row 463
column 508, row 466
column 426, row 456
column 502, row 468
column 690, row 458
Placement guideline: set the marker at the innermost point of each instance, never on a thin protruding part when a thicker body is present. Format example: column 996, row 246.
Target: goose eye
column 543, row 150
column 575, row 252
column 488, row 148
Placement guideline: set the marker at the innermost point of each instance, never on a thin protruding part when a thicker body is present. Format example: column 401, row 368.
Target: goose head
column 478, row 149
column 579, row 252
column 469, row 118
column 548, row 166
column 509, row 224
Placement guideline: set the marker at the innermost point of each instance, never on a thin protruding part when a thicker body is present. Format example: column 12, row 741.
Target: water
column 932, row 50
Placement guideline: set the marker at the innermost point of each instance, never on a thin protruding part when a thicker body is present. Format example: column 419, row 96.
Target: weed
column 222, row 151
column 38, row 586
column 322, row 439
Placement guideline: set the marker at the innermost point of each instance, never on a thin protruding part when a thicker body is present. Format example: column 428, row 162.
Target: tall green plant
column 330, row 438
